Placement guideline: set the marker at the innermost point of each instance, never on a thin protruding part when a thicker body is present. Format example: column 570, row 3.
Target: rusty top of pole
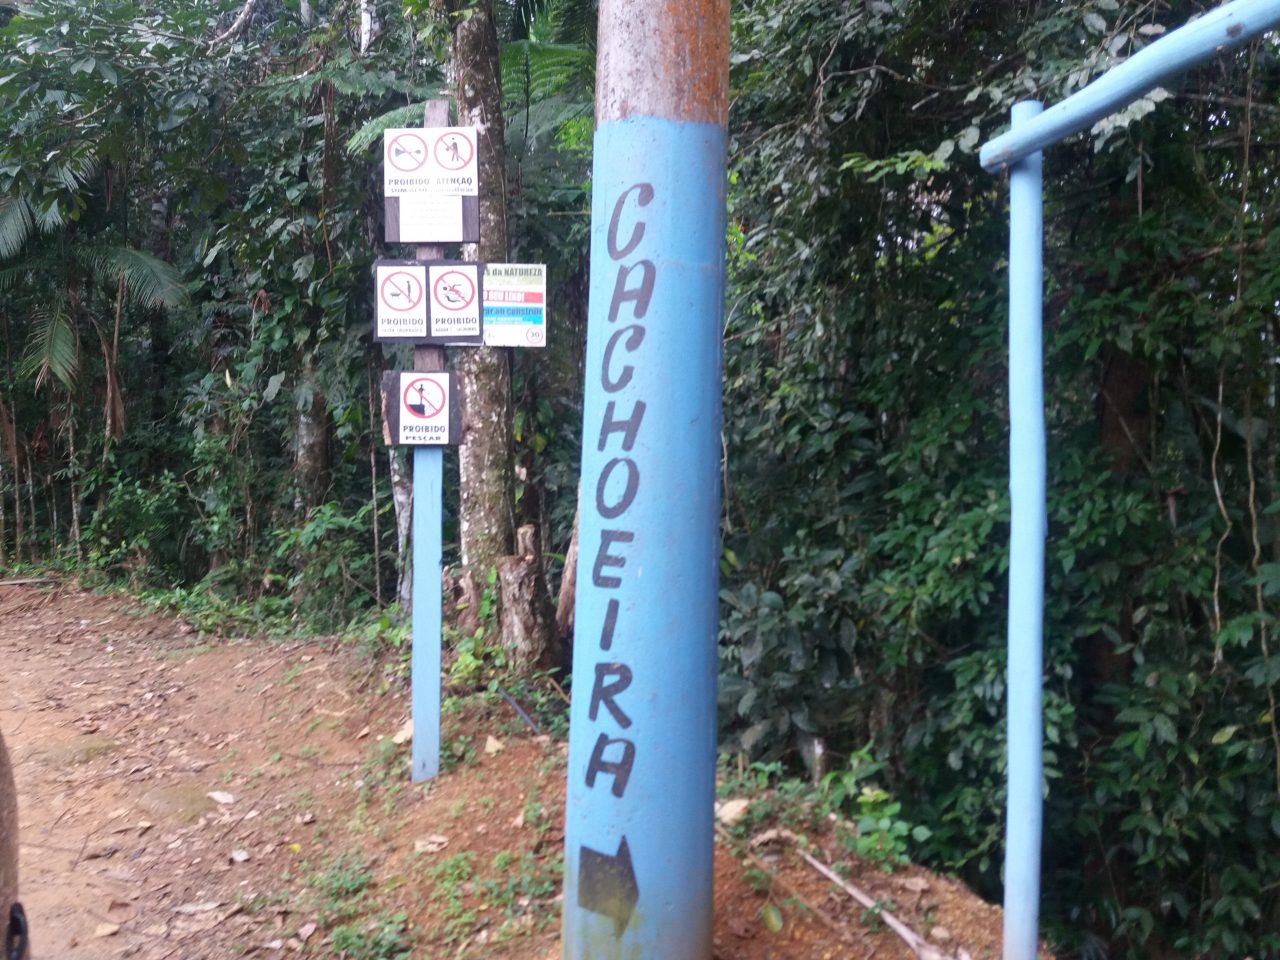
column 663, row 58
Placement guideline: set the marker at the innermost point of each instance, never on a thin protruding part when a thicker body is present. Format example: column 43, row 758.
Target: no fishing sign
column 439, row 302
column 420, row 409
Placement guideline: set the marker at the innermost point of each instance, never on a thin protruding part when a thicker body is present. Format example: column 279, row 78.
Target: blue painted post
column 1026, row 552
column 428, row 550
column 639, row 824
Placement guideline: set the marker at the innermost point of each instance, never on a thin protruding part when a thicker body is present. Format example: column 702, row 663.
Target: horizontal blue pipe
column 1028, row 524
column 1220, row 29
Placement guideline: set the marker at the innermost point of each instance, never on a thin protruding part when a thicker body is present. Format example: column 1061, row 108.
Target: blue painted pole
column 428, row 537
column 1026, row 552
column 639, row 829
column 1221, row 29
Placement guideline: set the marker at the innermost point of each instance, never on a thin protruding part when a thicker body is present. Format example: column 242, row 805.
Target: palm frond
column 557, row 21
column 536, row 71
column 371, row 132
column 49, row 216
column 576, row 21
column 148, row 280
column 52, row 347
column 16, row 225
column 528, row 131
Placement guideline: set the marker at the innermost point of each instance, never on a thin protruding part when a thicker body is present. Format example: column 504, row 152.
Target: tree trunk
column 4, row 529
column 527, row 633
column 402, row 500
column 159, row 346
column 311, row 443
column 568, row 590
column 486, row 458
column 368, row 25
column 484, row 374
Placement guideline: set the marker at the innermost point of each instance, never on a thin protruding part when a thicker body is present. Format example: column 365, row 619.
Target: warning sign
column 455, row 301
column 420, row 408
column 436, row 161
column 515, row 305
column 454, row 152
column 401, row 309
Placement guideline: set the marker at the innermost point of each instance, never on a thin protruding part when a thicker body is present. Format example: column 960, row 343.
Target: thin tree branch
column 237, row 27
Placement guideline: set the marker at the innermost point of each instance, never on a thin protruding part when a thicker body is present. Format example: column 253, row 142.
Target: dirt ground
column 187, row 798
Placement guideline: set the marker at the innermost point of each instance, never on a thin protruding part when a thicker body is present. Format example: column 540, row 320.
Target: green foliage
column 120, row 536
column 479, row 654
column 447, row 879
column 379, row 939
column 329, row 564
column 344, row 878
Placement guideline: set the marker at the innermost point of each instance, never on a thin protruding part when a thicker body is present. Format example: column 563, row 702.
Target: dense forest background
column 189, row 209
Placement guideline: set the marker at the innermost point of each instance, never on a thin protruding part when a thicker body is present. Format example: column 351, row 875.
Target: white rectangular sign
column 424, row 409
column 515, row 305
column 454, row 289
column 427, row 218
column 437, row 161
column 401, row 308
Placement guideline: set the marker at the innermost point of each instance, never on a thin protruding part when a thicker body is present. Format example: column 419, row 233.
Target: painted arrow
column 607, row 884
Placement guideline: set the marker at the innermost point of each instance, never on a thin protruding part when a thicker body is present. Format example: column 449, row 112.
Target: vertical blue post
column 1026, row 552
column 639, row 837
column 428, row 508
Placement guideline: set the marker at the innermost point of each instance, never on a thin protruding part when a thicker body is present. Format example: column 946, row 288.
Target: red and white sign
column 402, row 300
column 424, row 408
column 407, row 152
column 455, row 304
column 434, row 162
column 454, row 152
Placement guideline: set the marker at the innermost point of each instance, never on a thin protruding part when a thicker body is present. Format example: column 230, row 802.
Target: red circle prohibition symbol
column 453, row 291
column 407, row 152
column 424, row 398
column 453, row 151
column 401, row 291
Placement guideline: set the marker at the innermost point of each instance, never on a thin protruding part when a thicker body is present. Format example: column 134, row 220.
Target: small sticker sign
column 420, row 409
column 455, row 302
column 401, row 309
column 438, row 161
column 515, row 305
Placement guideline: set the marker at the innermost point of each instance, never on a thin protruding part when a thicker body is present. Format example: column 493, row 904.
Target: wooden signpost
column 432, row 197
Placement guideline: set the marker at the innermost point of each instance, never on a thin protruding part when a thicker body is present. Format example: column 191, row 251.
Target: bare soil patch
column 182, row 797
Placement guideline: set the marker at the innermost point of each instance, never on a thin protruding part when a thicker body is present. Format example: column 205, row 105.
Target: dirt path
column 121, row 727
column 183, row 800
